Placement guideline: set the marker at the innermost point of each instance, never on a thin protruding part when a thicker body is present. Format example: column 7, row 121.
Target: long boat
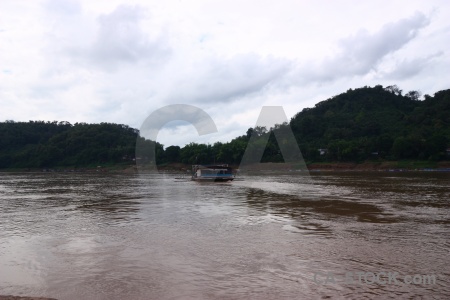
column 212, row 173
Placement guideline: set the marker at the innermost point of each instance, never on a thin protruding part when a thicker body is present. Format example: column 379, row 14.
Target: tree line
column 376, row 123
column 48, row 144
column 368, row 123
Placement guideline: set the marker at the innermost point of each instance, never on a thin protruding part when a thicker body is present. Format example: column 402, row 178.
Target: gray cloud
column 223, row 80
column 121, row 40
column 360, row 53
column 408, row 68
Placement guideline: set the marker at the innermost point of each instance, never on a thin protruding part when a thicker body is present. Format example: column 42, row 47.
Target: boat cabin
column 212, row 173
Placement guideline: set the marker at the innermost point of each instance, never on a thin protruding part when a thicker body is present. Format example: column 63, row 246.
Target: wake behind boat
column 212, row 173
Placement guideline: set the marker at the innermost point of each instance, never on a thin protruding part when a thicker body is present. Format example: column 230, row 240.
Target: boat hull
column 214, row 179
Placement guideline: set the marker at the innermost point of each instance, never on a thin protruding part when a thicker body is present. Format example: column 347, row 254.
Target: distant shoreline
column 386, row 166
column 10, row 297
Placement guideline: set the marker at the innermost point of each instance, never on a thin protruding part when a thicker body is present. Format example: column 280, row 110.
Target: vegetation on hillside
column 48, row 144
column 375, row 122
column 369, row 123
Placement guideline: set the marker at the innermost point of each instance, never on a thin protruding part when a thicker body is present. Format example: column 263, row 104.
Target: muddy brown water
column 284, row 236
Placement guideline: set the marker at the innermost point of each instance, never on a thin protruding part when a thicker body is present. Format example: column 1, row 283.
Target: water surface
column 121, row 236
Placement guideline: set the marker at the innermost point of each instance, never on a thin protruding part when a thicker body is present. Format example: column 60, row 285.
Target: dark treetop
column 362, row 124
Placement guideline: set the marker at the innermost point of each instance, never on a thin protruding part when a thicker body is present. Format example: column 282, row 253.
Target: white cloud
column 360, row 53
column 104, row 61
column 65, row 7
column 406, row 68
column 217, row 80
column 120, row 39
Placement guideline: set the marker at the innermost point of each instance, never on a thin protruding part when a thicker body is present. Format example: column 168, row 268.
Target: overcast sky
column 119, row 61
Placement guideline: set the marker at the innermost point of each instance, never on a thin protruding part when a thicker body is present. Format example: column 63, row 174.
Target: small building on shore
column 322, row 151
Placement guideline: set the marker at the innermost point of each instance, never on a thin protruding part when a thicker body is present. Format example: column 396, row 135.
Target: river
column 355, row 235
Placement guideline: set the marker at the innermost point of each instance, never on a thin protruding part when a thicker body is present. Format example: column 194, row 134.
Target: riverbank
column 387, row 166
column 9, row 297
column 331, row 166
column 382, row 166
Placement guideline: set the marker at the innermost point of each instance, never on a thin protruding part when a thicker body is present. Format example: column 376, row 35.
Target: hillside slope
column 375, row 122
column 369, row 123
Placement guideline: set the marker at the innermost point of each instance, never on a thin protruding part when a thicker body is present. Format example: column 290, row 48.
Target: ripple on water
column 73, row 236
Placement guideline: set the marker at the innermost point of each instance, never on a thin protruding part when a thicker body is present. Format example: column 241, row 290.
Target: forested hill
column 48, row 144
column 369, row 123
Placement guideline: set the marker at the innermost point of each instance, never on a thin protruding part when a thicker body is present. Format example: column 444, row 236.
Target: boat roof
column 223, row 166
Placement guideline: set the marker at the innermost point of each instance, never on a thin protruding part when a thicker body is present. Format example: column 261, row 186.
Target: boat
column 212, row 173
